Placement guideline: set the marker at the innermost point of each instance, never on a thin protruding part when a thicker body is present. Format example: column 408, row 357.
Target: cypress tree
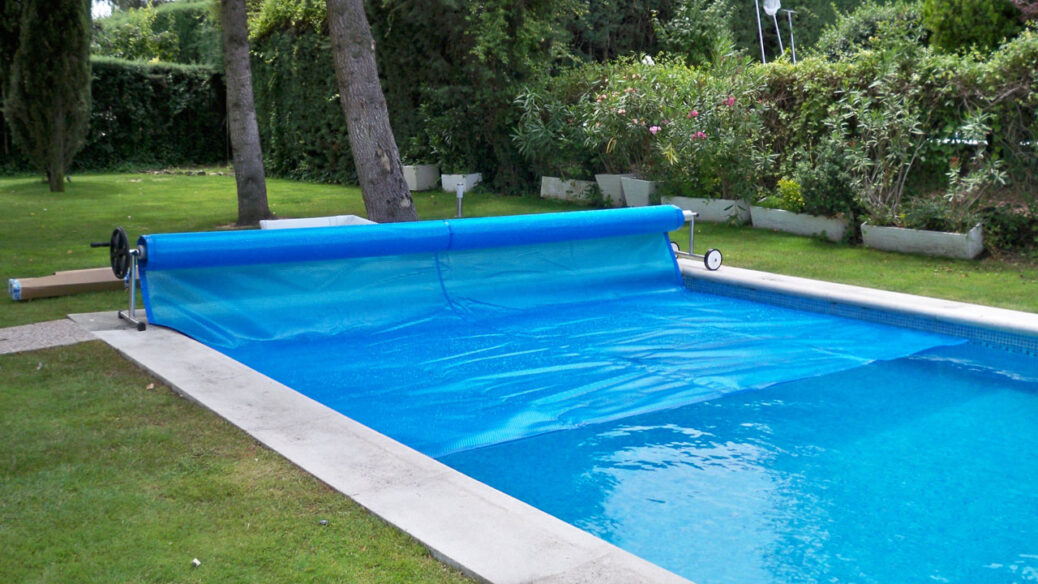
column 48, row 105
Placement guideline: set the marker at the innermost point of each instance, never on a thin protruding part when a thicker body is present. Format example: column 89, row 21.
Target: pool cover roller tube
column 455, row 334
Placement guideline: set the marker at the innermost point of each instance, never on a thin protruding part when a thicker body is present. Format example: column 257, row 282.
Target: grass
column 108, row 476
column 43, row 232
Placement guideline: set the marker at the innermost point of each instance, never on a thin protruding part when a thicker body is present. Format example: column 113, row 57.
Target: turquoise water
column 919, row 469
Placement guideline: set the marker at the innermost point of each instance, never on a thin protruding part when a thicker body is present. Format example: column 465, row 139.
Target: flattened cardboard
column 64, row 284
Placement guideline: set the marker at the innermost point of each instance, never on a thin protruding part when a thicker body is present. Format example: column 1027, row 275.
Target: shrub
column 176, row 32
column 550, row 132
column 696, row 30
column 873, row 26
column 884, row 136
column 1011, row 227
column 824, row 178
column 788, row 196
column 958, row 25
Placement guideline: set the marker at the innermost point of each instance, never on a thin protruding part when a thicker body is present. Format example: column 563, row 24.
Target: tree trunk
column 386, row 196
column 241, row 115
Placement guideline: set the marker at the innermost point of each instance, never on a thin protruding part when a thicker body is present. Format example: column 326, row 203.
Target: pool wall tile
column 760, row 287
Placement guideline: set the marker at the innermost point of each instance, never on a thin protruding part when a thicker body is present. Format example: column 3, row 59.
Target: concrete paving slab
column 41, row 335
column 486, row 533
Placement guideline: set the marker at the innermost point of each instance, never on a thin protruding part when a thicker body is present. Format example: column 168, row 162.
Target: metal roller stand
column 712, row 259
column 125, row 262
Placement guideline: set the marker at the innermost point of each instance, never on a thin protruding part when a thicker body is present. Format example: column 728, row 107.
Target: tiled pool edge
column 485, row 533
column 1008, row 328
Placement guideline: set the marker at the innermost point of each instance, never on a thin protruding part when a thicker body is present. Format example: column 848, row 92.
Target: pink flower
column 730, row 101
column 700, row 135
column 693, row 114
column 654, row 129
column 621, row 111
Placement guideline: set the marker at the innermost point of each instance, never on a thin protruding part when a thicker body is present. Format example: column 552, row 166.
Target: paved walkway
column 42, row 335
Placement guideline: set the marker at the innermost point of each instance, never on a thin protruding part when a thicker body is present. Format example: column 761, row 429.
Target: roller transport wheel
column 712, row 259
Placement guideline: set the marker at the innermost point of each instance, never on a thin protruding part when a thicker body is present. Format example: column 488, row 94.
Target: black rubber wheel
column 119, row 252
column 712, row 259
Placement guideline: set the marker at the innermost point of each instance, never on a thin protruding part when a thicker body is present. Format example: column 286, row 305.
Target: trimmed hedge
column 150, row 114
column 155, row 114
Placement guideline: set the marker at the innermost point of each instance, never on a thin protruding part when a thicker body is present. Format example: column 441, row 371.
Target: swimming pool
column 569, row 350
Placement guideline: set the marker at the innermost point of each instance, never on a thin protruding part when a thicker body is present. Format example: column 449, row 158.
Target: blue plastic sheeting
column 502, row 331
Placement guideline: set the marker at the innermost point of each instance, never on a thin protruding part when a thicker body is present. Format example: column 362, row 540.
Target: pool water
column 919, row 469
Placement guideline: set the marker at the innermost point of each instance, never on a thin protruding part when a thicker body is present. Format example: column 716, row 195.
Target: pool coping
column 485, row 533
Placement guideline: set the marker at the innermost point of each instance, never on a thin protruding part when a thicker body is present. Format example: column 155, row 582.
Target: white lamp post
column 760, row 33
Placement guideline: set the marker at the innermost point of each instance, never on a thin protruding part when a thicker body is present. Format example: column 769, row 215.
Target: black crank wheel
column 119, row 252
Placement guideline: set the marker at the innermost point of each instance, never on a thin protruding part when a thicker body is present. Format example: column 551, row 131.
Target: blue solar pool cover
column 452, row 335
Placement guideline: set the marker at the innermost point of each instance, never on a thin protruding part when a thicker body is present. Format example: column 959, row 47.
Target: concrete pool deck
column 465, row 523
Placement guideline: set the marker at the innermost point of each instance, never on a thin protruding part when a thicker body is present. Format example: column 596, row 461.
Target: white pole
column 792, row 40
column 760, row 33
column 774, row 18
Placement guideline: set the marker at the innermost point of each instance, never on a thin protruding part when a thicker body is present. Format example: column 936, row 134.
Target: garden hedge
column 149, row 115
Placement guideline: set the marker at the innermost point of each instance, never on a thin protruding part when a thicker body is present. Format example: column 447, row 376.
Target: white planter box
column 831, row 228
column 566, row 190
column 450, row 181
column 421, row 177
column 612, row 188
column 713, row 210
column 935, row 243
column 637, row 191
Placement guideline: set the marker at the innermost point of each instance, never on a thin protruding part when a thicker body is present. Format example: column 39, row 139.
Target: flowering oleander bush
column 894, row 133
column 700, row 131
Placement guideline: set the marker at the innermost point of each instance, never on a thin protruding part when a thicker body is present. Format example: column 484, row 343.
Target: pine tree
column 49, row 102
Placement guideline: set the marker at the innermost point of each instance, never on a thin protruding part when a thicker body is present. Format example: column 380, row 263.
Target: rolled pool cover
column 235, row 248
column 224, row 288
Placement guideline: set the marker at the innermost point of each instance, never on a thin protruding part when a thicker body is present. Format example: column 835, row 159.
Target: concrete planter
column 332, row 221
column 566, row 190
column 450, row 181
column 421, row 177
column 935, row 243
column 830, row 228
column 612, row 188
column 637, row 192
column 713, row 210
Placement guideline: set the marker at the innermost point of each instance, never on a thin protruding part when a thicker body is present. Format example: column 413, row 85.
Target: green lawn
column 43, row 232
